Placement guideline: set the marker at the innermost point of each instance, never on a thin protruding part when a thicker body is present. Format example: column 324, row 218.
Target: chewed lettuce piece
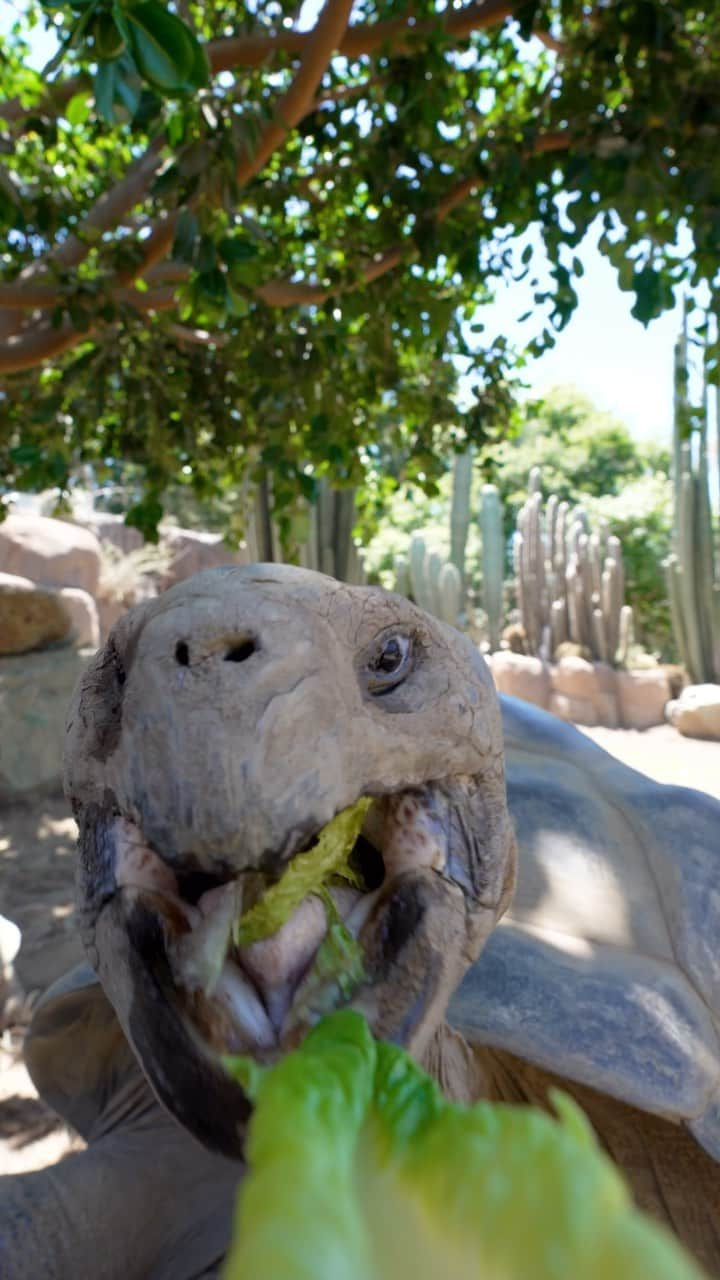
column 305, row 874
column 359, row 1169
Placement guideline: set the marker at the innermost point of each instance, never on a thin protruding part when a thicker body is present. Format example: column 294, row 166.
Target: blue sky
column 620, row 365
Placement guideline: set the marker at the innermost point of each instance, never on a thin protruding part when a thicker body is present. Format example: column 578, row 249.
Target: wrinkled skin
column 219, row 730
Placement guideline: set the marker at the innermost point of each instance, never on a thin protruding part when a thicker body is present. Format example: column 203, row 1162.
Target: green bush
column 589, row 459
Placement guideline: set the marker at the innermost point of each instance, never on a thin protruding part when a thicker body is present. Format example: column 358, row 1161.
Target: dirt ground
column 36, row 891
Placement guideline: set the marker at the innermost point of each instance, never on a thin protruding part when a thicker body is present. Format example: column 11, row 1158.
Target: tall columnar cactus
column 325, row 543
column 570, row 581
column 493, row 561
column 434, row 583
column 693, row 568
column 460, row 509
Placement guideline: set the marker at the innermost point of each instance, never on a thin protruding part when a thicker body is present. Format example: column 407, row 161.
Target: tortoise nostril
column 240, row 652
column 182, row 653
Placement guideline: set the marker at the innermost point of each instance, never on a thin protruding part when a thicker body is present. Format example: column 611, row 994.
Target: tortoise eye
column 390, row 663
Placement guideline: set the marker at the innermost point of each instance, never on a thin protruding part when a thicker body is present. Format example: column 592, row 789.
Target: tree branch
column 198, row 337
column 28, row 349
column 315, row 49
column 233, row 52
column 295, row 103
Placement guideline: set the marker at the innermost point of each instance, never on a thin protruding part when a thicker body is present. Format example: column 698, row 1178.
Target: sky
column 620, row 365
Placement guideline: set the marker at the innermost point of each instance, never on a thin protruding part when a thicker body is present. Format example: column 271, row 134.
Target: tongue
column 276, row 964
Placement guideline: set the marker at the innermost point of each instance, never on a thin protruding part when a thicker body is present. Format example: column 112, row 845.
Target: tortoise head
column 215, row 735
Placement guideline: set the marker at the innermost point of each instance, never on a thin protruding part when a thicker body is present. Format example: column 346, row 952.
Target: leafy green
column 360, row 1170
column 305, row 874
column 163, row 47
column 434, row 151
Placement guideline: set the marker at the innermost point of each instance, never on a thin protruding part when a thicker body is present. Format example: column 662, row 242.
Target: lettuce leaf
column 305, row 874
column 359, row 1169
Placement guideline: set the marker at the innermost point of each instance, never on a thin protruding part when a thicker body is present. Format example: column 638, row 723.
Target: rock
column 574, row 710
column 643, row 695
column 35, row 690
column 696, row 713
column 52, row 552
column 30, row 617
column 189, row 549
column 584, row 692
column 108, row 613
column 192, row 551
column 521, row 677
column 83, row 613
column 112, row 529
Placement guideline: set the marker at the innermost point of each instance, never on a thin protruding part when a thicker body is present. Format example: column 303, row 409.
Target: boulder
column 192, row 551
column 31, row 617
column 83, row 613
column 696, row 713
column 521, row 677
column 574, row 710
column 113, row 529
column 35, row 690
column 584, row 692
column 108, row 613
column 642, row 696
column 52, row 552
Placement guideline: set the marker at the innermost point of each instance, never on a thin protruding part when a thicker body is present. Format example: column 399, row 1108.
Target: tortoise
column 221, row 727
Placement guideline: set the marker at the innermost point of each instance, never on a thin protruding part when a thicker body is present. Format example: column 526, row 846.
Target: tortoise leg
column 672, row 1179
column 144, row 1201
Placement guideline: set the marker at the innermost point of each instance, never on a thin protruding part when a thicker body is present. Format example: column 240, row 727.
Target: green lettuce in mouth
column 359, row 1169
column 307, row 873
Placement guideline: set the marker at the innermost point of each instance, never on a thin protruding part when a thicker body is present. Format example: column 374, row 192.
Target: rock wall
column 584, row 692
column 53, row 615
column 35, row 689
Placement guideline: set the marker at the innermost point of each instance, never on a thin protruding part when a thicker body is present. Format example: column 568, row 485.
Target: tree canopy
column 250, row 235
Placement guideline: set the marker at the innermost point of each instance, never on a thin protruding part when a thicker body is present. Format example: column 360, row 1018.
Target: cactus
column 570, row 582
column 493, row 557
column 402, row 575
column 435, row 584
column 320, row 533
column 418, row 577
column 449, row 594
column 693, row 574
column 460, row 509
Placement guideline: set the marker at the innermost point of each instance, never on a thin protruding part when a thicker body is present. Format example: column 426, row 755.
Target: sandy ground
column 662, row 753
column 36, row 891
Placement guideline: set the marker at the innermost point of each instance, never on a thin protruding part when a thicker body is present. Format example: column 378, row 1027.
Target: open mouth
column 261, row 998
column 430, row 872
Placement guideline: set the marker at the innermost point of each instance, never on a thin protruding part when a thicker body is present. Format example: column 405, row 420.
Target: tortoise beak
column 446, row 872
column 186, row 1076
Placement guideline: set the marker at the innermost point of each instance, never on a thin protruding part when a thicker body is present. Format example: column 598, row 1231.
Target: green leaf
column 146, row 516
column 128, row 89
column 78, row 108
column 108, row 39
column 238, row 304
column 234, row 249
column 360, row 1168
column 163, row 47
column 185, row 236
column 105, row 91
